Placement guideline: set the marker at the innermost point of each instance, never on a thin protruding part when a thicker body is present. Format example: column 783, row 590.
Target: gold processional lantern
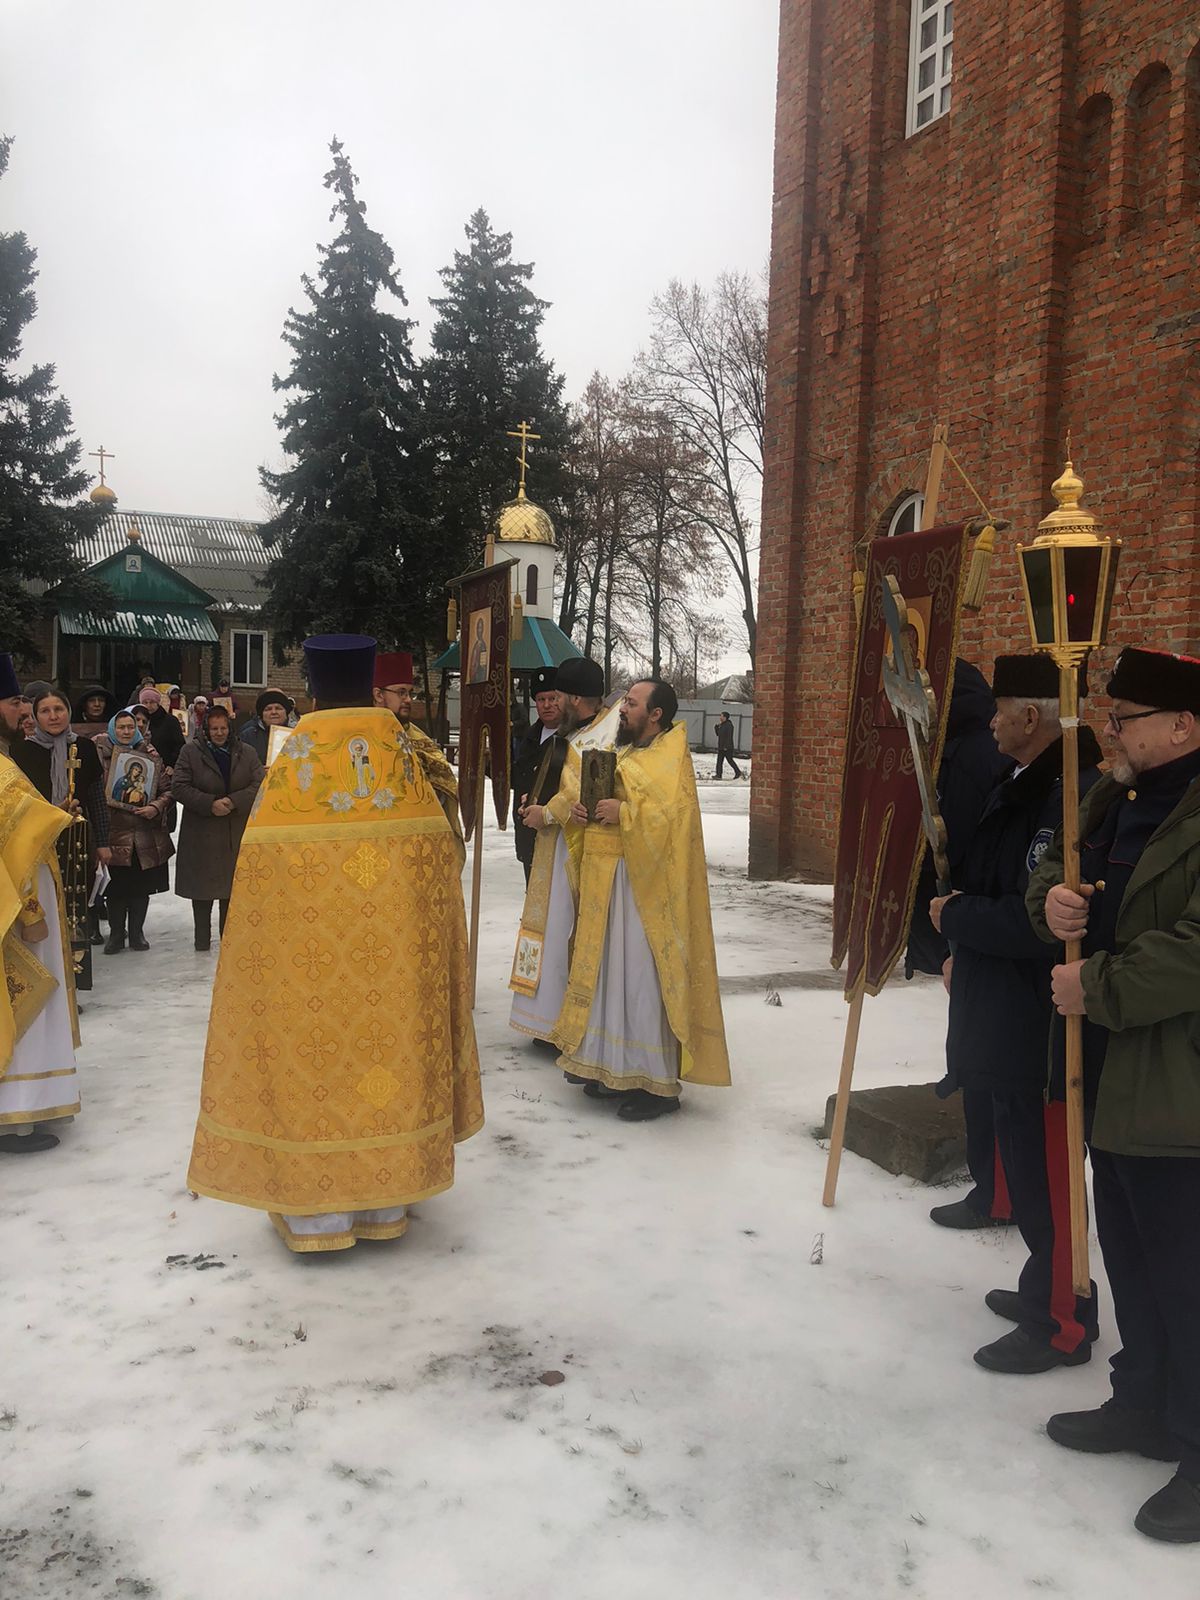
column 1069, row 575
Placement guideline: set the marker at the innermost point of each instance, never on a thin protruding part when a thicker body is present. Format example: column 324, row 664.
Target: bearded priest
column 394, row 691
column 341, row 1066
column 643, row 1008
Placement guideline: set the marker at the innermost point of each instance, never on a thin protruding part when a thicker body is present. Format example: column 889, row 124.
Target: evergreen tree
column 351, row 538
column 42, row 513
column 487, row 373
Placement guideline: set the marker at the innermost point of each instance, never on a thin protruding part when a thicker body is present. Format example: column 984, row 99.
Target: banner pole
column 837, row 1136
column 477, row 872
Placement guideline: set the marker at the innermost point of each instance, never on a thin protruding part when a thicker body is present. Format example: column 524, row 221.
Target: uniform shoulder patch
column 1038, row 846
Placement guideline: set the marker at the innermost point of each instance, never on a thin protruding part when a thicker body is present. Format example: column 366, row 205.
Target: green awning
column 171, row 624
column 542, row 644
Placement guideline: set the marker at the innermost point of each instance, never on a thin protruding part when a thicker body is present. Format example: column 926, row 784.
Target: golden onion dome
column 102, row 495
column 522, row 522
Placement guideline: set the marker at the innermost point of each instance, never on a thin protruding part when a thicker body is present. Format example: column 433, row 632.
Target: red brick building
column 988, row 216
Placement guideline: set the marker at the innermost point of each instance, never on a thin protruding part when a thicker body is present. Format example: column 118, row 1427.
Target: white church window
column 930, row 62
column 249, row 658
column 907, row 516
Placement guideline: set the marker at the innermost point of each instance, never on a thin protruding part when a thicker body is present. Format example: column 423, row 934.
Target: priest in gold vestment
column 39, row 1028
column 393, row 689
column 341, row 1066
column 642, row 1009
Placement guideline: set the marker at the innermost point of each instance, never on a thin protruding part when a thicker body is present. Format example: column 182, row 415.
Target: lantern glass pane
column 1039, row 586
column 1081, row 576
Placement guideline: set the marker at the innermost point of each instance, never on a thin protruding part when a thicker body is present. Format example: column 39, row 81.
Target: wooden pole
column 477, row 872
column 837, row 1136
column 1068, row 696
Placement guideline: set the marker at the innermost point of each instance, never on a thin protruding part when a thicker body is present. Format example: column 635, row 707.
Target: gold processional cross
column 525, row 436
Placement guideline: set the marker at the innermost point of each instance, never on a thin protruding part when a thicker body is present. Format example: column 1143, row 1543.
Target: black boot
column 1173, row 1514
column 115, row 942
column 639, row 1105
column 202, row 923
column 1112, row 1427
column 137, row 923
column 1018, row 1352
column 962, row 1214
column 94, row 934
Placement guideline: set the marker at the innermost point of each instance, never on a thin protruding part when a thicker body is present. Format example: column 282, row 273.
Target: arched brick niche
column 1093, row 167
column 1147, row 144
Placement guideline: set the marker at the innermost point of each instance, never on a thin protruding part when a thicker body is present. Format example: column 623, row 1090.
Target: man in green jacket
column 1138, row 989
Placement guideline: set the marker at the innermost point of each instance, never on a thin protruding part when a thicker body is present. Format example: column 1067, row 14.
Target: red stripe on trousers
column 1001, row 1199
column 1070, row 1333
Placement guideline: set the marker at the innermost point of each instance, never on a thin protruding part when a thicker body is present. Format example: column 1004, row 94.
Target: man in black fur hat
column 1000, row 1014
column 1138, row 990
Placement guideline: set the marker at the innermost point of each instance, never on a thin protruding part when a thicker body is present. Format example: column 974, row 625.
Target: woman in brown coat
column 216, row 779
column 138, row 837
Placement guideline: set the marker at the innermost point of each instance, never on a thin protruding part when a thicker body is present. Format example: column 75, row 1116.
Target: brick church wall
column 1025, row 265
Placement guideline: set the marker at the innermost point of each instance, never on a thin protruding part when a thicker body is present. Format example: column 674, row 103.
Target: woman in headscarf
column 164, row 730
column 216, row 779
column 141, row 845
column 270, row 711
column 93, row 707
column 42, row 757
column 197, row 712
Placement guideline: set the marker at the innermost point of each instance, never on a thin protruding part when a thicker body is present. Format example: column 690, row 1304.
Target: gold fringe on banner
column 518, row 618
column 452, row 620
column 981, row 566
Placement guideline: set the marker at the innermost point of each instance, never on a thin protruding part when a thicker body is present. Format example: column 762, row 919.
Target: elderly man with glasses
column 1138, row 990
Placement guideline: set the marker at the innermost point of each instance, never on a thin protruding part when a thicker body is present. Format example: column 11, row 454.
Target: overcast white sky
column 168, row 165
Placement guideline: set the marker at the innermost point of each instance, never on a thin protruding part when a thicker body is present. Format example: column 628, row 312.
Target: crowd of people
column 342, row 1067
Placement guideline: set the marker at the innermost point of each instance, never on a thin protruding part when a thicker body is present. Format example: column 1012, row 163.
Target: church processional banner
column 880, row 839
column 485, row 612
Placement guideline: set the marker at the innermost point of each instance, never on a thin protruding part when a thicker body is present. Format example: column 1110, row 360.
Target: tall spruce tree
column 351, row 538
column 487, row 372
column 42, row 512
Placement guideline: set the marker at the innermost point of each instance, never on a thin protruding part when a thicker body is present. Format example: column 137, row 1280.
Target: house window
column 249, row 658
column 531, row 583
column 907, row 516
column 930, row 59
column 93, row 666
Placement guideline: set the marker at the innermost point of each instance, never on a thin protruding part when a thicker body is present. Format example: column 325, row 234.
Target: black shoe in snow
column 26, row 1144
column 1005, row 1303
column 114, row 944
column 601, row 1091
column 1112, row 1427
column 1173, row 1514
column 1017, row 1352
column 137, row 941
column 642, row 1106
column 574, row 1078
column 962, row 1214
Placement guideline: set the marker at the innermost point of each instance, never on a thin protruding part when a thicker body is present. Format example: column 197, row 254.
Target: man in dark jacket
column 971, row 765
column 527, row 761
column 1000, row 1013
column 1138, row 989
column 725, row 742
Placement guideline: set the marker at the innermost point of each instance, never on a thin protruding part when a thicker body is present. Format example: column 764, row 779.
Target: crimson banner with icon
column 484, row 743
column 880, row 839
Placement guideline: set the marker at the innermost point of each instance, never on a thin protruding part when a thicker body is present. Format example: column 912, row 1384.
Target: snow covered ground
column 188, row 1412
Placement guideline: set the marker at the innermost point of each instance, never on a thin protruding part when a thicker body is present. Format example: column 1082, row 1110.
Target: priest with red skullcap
column 393, row 691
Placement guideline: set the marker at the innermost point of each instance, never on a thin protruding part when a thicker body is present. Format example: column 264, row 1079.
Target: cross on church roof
column 524, row 435
column 105, row 455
